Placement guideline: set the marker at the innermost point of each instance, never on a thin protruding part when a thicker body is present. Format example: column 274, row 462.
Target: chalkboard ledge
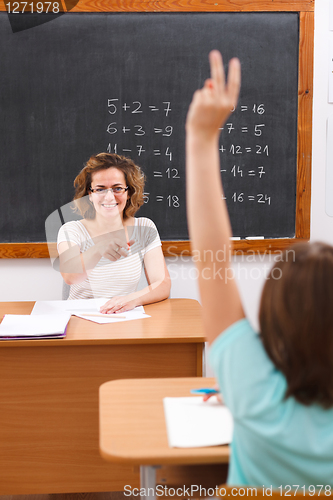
column 41, row 250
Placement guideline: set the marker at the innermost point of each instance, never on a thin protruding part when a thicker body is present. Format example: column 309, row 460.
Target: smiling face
column 109, row 204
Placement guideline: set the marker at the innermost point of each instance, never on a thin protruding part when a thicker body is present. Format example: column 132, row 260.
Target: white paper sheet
column 192, row 423
column 331, row 15
column 82, row 308
column 20, row 326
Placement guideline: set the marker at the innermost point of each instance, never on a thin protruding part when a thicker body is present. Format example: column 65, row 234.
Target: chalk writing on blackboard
column 125, row 131
column 127, row 134
column 238, row 158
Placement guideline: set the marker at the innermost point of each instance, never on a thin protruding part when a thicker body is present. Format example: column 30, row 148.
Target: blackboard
column 122, row 82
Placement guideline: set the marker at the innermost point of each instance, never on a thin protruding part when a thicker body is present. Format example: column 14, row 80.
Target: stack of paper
column 15, row 326
column 192, row 423
column 86, row 309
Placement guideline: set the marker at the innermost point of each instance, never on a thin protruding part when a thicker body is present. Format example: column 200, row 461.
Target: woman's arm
column 208, row 218
column 158, row 277
column 75, row 266
column 158, row 285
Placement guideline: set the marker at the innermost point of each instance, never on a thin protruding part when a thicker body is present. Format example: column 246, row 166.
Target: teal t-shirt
column 276, row 442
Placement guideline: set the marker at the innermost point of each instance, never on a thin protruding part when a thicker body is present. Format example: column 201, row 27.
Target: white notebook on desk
column 191, row 423
column 18, row 326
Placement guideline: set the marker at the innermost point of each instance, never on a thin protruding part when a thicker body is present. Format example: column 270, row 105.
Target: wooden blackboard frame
column 305, row 8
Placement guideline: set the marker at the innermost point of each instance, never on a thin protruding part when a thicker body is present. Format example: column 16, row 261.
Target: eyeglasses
column 115, row 190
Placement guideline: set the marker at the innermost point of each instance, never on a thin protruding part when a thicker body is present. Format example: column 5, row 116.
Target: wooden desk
column 133, row 431
column 49, row 394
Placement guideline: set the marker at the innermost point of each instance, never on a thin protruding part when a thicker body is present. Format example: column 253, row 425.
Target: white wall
column 34, row 279
column 321, row 224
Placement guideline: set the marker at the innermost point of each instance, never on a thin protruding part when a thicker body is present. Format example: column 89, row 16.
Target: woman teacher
column 102, row 255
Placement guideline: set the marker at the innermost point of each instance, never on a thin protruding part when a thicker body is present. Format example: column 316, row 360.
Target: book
column 19, row 326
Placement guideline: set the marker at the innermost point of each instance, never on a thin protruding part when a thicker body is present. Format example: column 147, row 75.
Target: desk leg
column 148, row 482
column 204, row 364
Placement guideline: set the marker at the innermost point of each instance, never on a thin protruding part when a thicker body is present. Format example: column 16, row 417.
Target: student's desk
column 49, row 393
column 133, row 431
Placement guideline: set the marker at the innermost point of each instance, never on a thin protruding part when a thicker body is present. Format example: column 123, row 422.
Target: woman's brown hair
column 296, row 321
column 134, row 178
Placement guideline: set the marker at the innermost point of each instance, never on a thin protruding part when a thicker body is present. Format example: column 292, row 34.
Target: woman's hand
column 119, row 304
column 212, row 104
column 115, row 248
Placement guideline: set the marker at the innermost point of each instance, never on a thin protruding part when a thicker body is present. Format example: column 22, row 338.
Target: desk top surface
column 132, row 423
column 172, row 321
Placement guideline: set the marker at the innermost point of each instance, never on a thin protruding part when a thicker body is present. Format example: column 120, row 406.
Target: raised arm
column 208, row 218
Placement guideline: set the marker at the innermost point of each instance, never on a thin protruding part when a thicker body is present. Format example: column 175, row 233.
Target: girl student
column 277, row 384
column 102, row 255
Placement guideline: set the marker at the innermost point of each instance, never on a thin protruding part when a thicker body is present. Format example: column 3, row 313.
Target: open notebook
column 192, row 423
column 17, row 326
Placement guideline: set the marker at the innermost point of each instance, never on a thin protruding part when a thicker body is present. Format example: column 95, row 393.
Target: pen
column 205, row 390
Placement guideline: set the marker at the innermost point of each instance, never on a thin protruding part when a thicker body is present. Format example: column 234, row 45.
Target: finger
column 106, row 307
column 206, row 397
column 122, row 309
column 113, row 304
column 119, row 242
column 116, row 308
column 209, row 84
column 196, row 96
column 122, row 252
column 110, row 311
column 234, row 80
column 112, row 255
column 217, row 69
column 116, row 251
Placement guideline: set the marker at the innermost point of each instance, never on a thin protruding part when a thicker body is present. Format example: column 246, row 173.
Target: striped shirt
column 109, row 278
